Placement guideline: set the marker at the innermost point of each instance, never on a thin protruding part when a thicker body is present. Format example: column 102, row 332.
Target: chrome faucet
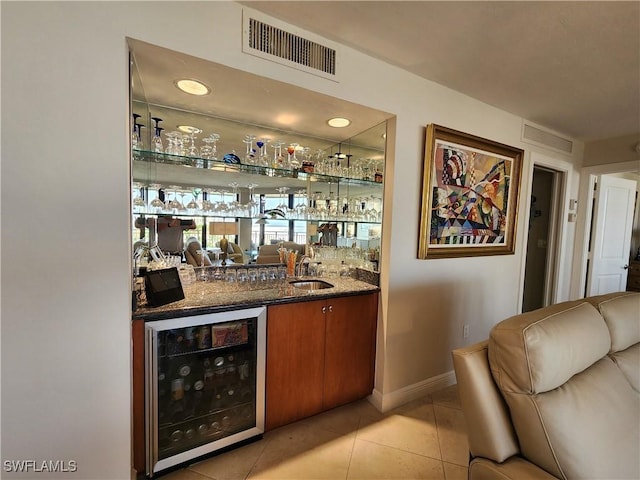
column 300, row 264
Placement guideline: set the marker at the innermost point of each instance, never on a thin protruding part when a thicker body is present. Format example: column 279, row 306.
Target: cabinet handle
column 324, row 309
column 330, row 308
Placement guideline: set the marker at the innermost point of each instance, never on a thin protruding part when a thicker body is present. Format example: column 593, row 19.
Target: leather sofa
column 555, row 393
column 269, row 253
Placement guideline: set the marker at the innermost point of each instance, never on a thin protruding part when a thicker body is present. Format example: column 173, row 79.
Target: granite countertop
column 209, row 297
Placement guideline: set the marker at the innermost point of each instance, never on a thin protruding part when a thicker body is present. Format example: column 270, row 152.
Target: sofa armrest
column 516, row 468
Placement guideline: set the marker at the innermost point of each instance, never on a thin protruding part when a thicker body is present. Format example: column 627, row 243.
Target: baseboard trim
column 389, row 401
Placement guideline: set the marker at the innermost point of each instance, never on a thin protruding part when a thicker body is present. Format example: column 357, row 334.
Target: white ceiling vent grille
column 273, row 43
column 538, row 136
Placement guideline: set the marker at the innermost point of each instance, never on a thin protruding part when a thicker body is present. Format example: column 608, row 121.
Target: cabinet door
column 295, row 353
column 350, row 349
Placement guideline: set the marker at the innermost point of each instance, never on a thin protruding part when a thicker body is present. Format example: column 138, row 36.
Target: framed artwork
column 469, row 195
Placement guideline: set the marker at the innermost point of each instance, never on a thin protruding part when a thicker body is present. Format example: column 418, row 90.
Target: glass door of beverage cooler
column 204, row 384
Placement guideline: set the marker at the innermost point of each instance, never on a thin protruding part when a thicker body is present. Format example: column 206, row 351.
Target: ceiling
column 573, row 67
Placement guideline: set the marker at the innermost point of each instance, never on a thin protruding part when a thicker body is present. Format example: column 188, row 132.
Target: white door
column 612, row 221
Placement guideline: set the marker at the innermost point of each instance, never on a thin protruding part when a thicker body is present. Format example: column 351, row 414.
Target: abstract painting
column 470, row 195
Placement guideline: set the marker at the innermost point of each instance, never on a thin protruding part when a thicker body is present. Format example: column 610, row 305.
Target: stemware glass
column 252, row 205
column 139, row 204
column 207, row 205
column 278, row 158
column 156, row 142
column 263, row 156
column 174, row 205
column 301, row 206
column 157, row 205
column 134, row 132
column 193, row 205
column 250, row 156
column 283, row 206
column 234, row 206
column 292, row 161
column 222, row 207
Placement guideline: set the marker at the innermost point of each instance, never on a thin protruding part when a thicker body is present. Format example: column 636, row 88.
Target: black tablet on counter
column 163, row 286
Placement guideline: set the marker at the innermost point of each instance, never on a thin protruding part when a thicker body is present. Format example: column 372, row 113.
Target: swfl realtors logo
column 40, row 466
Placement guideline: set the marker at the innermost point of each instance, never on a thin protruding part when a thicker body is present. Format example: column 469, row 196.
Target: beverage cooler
column 204, row 384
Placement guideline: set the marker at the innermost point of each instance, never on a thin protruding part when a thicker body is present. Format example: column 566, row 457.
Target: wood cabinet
column 320, row 354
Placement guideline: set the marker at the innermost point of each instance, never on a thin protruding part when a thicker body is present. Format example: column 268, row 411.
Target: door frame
column 588, row 177
column 556, row 275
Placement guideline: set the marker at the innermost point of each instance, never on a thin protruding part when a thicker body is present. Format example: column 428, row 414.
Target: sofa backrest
column 574, row 412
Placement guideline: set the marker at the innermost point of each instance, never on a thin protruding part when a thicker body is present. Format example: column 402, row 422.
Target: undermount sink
column 310, row 284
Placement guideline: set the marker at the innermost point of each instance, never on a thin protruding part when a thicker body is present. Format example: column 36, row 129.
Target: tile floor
column 424, row 439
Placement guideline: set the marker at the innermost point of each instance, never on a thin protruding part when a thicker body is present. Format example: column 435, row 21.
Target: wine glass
column 284, row 204
column 252, row 205
column 157, row 205
column 139, row 204
column 193, row 205
column 250, row 156
column 263, row 156
column 301, row 206
column 134, row 132
column 234, row 205
column 278, row 159
column 156, row 142
column 174, row 205
column 221, row 206
column 207, row 205
column 292, row 162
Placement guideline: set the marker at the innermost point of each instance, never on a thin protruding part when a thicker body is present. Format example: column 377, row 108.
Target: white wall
column 65, row 267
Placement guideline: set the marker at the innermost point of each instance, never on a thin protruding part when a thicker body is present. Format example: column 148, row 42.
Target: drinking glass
column 230, row 276
column 252, row 205
column 243, row 276
column 156, row 142
column 193, row 205
column 278, row 158
column 263, row 156
column 139, row 204
column 234, row 205
column 250, row 156
column 284, row 204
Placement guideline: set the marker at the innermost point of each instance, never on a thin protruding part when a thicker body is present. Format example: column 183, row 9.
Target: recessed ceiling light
column 189, row 129
column 194, row 87
column 339, row 122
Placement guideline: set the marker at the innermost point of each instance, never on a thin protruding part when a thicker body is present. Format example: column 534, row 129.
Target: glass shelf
column 326, row 218
column 145, row 156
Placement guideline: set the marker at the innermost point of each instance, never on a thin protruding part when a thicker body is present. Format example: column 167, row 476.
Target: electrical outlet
column 465, row 331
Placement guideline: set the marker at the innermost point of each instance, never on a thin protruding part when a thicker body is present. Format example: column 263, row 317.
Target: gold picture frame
column 469, row 195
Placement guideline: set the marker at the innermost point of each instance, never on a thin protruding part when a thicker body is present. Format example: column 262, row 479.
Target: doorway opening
column 542, row 237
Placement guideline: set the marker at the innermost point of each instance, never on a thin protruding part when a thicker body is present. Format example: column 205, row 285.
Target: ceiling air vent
column 538, row 136
column 273, row 43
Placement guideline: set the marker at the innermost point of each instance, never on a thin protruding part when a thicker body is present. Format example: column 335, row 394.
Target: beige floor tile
column 447, row 397
column 371, row 461
column 412, row 429
column 455, row 472
column 344, row 419
column 184, row 474
column 452, row 435
column 232, row 465
column 303, row 452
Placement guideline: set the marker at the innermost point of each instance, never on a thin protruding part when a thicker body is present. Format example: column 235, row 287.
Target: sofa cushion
column 621, row 313
column 538, row 351
column 628, row 361
column 587, row 428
